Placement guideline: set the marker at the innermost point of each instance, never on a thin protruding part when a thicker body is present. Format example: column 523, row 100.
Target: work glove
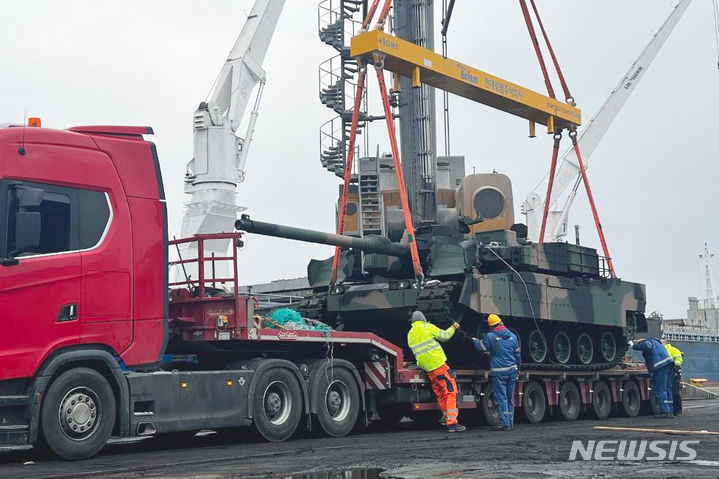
column 631, row 343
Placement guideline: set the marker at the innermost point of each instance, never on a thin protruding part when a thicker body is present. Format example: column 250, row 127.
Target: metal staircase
column 339, row 21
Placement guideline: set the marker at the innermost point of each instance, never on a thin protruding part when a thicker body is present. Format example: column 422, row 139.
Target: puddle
column 346, row 474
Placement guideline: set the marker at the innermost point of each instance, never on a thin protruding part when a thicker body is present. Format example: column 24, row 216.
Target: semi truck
column 98, row 343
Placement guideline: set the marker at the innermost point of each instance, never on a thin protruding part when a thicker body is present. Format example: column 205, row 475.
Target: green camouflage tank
column 567, row 311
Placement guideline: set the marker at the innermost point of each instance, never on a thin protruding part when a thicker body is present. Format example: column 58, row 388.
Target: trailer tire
column 631, row 400
column 534, row 404
column 277, row 404
column 601, row 400
column 338, row 402
column 78, row 414
column 570, row 403
column 489, row 407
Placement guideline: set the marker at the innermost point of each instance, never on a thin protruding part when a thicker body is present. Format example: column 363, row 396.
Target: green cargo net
column 286, row 318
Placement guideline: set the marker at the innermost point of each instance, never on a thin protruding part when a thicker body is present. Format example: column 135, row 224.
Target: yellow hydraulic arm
column 424, row 66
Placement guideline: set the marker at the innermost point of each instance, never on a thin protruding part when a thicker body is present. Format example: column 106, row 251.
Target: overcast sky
column 654, row 176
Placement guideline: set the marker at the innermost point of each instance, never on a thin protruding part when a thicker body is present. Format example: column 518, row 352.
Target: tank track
column 439, row 302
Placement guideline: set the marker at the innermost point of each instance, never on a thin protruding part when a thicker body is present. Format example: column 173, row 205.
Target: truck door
column 40, row 273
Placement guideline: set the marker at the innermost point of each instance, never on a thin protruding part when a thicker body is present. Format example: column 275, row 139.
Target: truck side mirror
column 27, row 232
column 31, row 198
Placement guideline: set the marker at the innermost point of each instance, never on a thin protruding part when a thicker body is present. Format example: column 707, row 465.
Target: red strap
column 550, row 185
column 398, row 171
column 370, row 14
column 573, row 136
column 385, row 11
column 533, row 36
column 348, row 169
column 567, row 95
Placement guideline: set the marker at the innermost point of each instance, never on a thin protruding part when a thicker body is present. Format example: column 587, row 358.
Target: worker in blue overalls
column 661, row 366
column 504, row 359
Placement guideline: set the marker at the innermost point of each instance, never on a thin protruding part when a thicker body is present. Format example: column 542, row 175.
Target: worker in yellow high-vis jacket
column 423, row 340
column 678, row 358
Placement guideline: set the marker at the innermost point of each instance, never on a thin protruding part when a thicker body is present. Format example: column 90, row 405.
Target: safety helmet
column 493, row 320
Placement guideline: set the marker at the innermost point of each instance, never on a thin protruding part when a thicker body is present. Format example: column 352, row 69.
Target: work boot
column 500, row 427
column 455, row 428
column 677, row 413
column 665, row 415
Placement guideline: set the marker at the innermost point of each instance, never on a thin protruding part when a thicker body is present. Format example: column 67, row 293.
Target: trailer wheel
column 631, row 401
column 78, row 414
column 534, row 404
column 277, row 405
column 339, row 402
column 569, row 401
column 601, row 400
column 489, row 407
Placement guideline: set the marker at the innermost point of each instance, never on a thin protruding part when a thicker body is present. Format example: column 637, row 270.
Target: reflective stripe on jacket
column 654, row 352
column 422, row 339
column 675, row 353
column 503, row 348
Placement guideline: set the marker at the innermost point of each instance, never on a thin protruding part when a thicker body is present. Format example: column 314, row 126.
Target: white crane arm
column 568, row 169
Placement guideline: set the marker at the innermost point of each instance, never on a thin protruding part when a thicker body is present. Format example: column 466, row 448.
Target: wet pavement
column 531, row 450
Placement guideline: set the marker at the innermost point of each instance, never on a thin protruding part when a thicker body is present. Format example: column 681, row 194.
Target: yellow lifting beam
column 425, row 66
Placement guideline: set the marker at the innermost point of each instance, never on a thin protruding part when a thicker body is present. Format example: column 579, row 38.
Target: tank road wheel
column 534, row 404
column 601, row 400
column 277, row 404
column 537, row 346
column 608, row 347
column 489, row 407
column 339, row 402
column 569, row 401
column 631, row 400
column 562, row 347
column 585, row 349
column 78, row 414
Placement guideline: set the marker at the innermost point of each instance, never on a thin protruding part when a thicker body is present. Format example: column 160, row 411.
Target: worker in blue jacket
column 504, row 359
column 661, row 366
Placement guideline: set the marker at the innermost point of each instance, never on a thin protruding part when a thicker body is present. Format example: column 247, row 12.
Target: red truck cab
column 83, row 250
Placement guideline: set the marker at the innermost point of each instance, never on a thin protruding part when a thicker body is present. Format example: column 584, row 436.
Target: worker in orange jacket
column 423, row 340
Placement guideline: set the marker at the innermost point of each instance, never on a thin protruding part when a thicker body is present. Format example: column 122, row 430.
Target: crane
column 219, row 155
column 568, row 172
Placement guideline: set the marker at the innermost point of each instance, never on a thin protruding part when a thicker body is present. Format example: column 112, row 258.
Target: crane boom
column 568, row 173
column 219, row 155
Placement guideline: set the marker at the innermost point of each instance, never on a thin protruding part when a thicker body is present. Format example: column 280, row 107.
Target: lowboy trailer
column 98, row 343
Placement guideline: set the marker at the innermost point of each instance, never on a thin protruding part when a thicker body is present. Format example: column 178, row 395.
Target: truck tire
column 601, row 400
column 534, row 404
column 338, row 402
column 570, row 403
column 489, row 407
column 277, row 404
column 631, row 400
column 78, row 414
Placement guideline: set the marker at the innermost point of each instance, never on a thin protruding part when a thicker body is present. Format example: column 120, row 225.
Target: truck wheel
column 601, row 400
column 277, row 404
column 631, row 401
column 534, row 404
column 78, row 414
column 569, row 401
column 489, row 407
column 339, row 402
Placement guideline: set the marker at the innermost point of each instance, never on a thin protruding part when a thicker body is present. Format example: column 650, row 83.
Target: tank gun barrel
column 368, row 244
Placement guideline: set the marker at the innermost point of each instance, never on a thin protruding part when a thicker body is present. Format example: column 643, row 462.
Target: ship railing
column 692, row 334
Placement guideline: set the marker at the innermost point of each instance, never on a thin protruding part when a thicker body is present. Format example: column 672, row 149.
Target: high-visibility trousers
column 445, row 387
